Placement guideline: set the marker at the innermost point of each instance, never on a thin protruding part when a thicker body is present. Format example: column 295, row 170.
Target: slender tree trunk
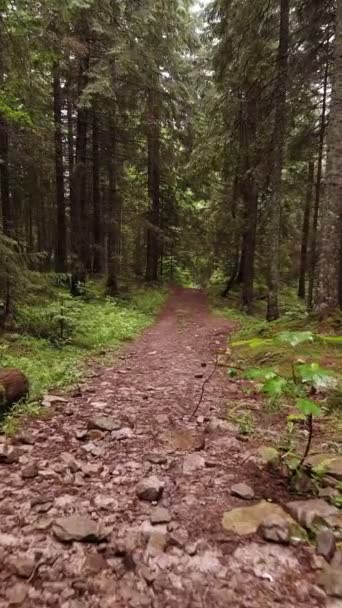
column 279, row 148
column 61, row 249
column 114, row 214
column 153, row 231
column 97, row 215
column 326, row 296
column 306, row 233
column 251, row 219
column 318, row 187
column 80, row 225
column 7, row 216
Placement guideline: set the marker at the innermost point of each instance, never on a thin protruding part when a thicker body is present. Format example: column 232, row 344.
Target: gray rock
column 49, row 400
column 156, row 458
column 218, row 425
column 104, row 423
column 308, row 512
column 275, row 529
column 30, row 471
column 25, row 438
column 192, row 462
column 331, row 581
column 150, row 489
column 242, row 490
column 23, row 566
column 8, row 454
column 326, row 544
column 160, row 516
column 122, row 434
column 79, row 528
column 156, row 544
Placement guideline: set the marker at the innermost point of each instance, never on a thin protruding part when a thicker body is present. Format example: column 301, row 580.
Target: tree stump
column 13, row 386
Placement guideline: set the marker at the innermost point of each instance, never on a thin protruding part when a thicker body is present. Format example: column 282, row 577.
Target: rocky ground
column 118, row 500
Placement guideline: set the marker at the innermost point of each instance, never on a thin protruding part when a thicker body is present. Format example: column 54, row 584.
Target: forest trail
column 130, row 423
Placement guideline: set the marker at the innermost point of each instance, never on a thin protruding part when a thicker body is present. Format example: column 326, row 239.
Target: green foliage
column 308, row 407
column 295, row 337
column 97, row 327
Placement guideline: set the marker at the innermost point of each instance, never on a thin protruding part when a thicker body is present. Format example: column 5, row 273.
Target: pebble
column 150, row 489
column 275, row 529
column 242, row 490
column 326, row 544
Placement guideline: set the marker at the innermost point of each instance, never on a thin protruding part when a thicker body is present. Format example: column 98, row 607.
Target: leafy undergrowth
column 290, row 372
column 54, row 340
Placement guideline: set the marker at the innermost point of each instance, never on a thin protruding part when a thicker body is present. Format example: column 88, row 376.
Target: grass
column 53, row 358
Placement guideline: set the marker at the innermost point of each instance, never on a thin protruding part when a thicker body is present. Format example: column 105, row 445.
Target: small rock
column 217, row 424
column 81, row 435
column 17, row 594
column 275, row 529
column 23, row 566
column 30, row 471
column 49, row 400
column 179, row 537
column 156, row 544
column 160, row 516
column 8, row 540
column 331, row 581
column 147, row 574
column 79, row 528
column 192, row 462
column 306, row 512
column 93, row 564
column 122, row 434
column 156, row 458
column 150, row 489
column 25, row 438
column 242, row 490
column 326, row 544
column 8, row 454
column 317, row 593
column 104, row 423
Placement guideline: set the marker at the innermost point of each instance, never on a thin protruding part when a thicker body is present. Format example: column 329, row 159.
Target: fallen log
column 14, row 386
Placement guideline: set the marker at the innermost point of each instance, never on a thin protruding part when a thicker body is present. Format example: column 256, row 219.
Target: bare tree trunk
column 153, row 231
column 61, row 249
column 279, row 147
column 7, row 216
column 306, row 233
column 97, row 215
column 326, row 296
column 79, row 225
column 318, row 187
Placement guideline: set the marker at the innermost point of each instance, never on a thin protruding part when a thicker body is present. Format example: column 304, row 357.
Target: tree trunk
column 61, row 250
column 326, row 296
column 97, row 216
column 79, row 225
column 7, row 216
column 306, row 233
column 251, row 218
column 114, row 214
column 279, row 148
column 318, row 187
column 153, row 230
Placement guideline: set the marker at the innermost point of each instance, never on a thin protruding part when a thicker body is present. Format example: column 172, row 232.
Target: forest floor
column 120, row 464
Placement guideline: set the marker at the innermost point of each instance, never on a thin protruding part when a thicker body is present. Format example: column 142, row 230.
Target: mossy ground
column 253, row 344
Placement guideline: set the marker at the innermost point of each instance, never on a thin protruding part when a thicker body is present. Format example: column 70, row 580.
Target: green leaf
column 259, row 373
column 319, row 378
column 295, row 337
column 308, row 407
column 274, row 387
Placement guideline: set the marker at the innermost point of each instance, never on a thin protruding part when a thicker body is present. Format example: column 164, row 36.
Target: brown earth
column 151, row 392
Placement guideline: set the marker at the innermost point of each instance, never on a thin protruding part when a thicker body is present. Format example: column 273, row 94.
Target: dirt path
column 187, row 560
